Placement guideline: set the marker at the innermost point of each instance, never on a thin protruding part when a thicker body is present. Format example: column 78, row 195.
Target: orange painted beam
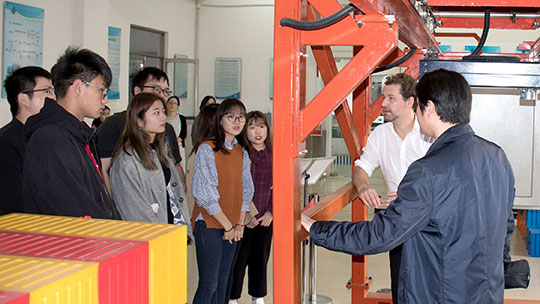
column 330, row 205
column 534, row 53
column 460, row 34
column 328, row 69
column 339, row 87
column 486, row 3
column 521, row 301
column 412, row 28
column 289, row 88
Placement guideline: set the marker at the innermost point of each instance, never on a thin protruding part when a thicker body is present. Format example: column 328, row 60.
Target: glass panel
column 146, row 42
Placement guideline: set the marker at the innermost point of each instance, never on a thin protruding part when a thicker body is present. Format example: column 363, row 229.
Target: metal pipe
column 481, row 15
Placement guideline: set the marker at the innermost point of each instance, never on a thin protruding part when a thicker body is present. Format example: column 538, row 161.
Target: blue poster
column 23, row 37
column 114, row 61
column 228, row 78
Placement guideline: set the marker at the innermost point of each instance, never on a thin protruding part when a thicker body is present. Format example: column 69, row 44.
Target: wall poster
column 228, row 78
column 115, row 34
column 22, row 37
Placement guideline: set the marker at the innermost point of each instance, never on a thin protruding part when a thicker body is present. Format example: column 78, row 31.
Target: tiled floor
column 334, row 269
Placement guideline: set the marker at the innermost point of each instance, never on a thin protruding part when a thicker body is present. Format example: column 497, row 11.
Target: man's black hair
column 449, row 92
column 20, row 81
column 139, row 78
column 81, row 64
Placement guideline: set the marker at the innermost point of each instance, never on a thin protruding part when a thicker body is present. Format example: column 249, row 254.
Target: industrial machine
column 385, row 34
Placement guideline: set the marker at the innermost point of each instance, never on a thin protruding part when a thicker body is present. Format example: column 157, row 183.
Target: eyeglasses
column 234, row 118
column 171, row 102
column 104, row 91
column 160, row 91
column 47, row 90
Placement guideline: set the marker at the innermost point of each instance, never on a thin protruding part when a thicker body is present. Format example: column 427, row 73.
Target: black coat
column 453, row 216
column 59, row 176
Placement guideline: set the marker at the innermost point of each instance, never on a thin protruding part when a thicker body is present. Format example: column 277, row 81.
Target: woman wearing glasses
column 144, row 182
column 223, row 190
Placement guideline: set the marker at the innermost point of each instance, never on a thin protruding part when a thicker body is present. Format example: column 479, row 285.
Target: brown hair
column 133, row 137
column 252, row 117
column 204, row 126
column 407, row 86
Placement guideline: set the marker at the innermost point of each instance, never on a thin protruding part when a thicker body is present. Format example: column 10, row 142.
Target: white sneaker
column 233, row 301
column 258, row 301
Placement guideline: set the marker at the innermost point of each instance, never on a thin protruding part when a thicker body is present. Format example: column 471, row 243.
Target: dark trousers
column 214, row 261
column 395, row 262
column 254, row 253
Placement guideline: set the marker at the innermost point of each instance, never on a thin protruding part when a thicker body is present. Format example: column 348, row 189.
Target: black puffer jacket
column 59, row 176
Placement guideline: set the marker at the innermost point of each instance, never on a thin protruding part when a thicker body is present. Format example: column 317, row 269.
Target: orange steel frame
column 374, row 32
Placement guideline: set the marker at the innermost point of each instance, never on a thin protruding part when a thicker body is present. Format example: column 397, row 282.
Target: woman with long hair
column 254, row 249
column 205, row 130
column 144, row 182
column 223, row 190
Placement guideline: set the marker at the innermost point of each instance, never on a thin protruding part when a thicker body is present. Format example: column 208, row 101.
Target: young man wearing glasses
column 26, row 90
column 149, row 79
column 61, row 173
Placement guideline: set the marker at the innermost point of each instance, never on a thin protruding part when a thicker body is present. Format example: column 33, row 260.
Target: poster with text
column 22, row 37
column 228, row 78
column 114, row 61
column 180, row 77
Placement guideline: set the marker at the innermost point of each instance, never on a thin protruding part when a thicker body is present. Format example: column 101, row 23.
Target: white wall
column 176, row 17
column 85, row 23
column 245, row 29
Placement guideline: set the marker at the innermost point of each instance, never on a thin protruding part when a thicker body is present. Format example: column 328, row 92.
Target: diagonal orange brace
column 328, row 69
column 330, row 205
column 341, row 85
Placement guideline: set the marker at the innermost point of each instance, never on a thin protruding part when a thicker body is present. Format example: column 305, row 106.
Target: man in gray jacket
column 453, row 213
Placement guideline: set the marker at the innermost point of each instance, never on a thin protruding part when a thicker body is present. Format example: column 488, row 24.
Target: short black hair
column 407, row 85
column 20, row 81
column 449, row 92
column 81, row 64
column 138, row 79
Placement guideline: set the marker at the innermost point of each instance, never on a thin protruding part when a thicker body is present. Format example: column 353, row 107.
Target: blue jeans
column 214, row 260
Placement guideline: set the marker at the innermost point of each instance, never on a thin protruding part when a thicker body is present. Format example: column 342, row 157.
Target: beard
column 389, row 116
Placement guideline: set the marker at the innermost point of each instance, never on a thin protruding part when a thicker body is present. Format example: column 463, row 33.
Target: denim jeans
column 214, row 260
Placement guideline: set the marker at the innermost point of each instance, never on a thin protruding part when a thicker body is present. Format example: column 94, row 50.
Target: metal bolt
column 536, row 25
column 359, row 23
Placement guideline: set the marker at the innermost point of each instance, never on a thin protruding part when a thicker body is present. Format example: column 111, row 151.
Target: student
column 151, row 80
column 26, row 90
column 144, row 182
column 61, row 173
column 223, row 190
column 205, row 127
column 207, row 100
column 178, row 122
column 255, row 246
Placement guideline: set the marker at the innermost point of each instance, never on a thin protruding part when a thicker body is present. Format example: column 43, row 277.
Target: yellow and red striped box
column 166, row 248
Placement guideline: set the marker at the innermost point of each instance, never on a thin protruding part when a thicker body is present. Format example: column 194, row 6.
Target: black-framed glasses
column 160, row 91
column 233, row 118
column 103, row 91
column 48, row 90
